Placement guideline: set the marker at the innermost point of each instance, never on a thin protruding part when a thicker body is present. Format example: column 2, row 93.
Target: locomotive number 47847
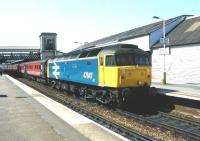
column 87, row 75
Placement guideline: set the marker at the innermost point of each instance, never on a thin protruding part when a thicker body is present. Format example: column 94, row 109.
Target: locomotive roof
column 109, row 49
column 121, row 48
column 113, row 48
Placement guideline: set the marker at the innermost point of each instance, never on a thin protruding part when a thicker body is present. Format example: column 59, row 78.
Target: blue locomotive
column 108, row 74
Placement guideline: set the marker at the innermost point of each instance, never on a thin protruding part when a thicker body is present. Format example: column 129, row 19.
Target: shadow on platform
column 164, row 90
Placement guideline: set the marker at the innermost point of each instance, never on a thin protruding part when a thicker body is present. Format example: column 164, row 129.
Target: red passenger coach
column 34, row 68
column 11, row 68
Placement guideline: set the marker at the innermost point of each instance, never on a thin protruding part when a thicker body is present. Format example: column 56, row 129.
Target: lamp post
column 80, row 43
column 163, row 42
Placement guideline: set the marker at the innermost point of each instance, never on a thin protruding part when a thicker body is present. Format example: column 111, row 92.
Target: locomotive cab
column 124, row 66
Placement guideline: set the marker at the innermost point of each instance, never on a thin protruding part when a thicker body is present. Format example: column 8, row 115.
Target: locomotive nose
column 134, row 76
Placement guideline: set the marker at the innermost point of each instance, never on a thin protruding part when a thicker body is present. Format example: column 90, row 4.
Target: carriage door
column 42, row 69
column 101, row 70
column 25, row 68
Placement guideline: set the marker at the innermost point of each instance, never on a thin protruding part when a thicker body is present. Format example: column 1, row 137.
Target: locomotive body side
column 83, row 70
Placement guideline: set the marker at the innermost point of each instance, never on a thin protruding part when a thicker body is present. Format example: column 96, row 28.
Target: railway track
column 190, row 129
column 118, row 128
column 126, row 132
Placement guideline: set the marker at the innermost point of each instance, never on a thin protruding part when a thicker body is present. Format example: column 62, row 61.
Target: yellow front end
column 134, row 76
column 124, row 76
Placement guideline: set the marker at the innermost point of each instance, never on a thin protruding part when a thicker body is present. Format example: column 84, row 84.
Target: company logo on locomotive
column 55, row 72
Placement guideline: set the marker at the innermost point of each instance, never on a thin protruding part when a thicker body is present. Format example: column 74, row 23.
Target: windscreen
column 128, row 60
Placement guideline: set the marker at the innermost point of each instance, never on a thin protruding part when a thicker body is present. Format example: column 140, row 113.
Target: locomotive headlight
column 122, row 74
column 139, row 82
column 121, row 78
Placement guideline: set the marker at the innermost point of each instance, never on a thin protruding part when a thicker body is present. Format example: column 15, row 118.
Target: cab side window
column 101, row 60
column 110, row 60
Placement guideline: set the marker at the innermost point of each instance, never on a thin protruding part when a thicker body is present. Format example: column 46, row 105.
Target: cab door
column 101, row 65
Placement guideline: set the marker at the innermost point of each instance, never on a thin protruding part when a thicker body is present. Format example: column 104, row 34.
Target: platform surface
column 179, row 90
column 27, row 115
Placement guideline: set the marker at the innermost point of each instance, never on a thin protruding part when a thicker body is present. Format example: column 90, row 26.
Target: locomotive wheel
column 123, row 97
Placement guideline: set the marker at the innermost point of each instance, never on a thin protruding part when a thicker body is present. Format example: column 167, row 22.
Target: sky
column 22, row 21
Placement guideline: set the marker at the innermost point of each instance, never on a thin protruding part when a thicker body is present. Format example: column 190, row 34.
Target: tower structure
column 48, row 45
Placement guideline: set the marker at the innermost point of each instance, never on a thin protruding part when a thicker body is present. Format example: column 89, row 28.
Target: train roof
column 37, row 61
column 118, row 48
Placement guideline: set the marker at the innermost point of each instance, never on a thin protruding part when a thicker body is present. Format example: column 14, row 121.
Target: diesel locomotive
column 109, row 74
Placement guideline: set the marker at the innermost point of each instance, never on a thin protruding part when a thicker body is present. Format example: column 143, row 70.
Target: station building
column 181, row 61
column 183, row 58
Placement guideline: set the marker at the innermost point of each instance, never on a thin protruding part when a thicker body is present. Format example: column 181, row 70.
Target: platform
column 26, row 114
column 179, row 90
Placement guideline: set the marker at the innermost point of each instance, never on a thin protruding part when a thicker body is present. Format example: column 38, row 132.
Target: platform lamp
column 80, row 43
column 163, row 42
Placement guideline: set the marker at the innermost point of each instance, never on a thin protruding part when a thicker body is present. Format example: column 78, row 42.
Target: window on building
column 49, row 44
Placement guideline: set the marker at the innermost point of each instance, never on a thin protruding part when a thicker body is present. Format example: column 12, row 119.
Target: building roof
column 137, row 32
column 19, row 47
column 188, row 32
column 47, row 33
